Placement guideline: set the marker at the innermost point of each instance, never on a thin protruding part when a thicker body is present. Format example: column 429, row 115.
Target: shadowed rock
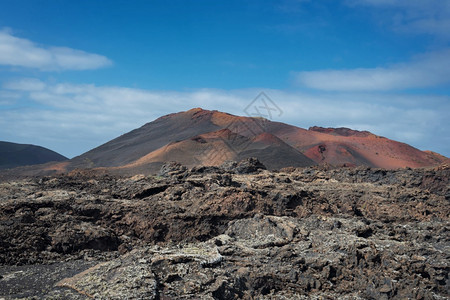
column 215, row 233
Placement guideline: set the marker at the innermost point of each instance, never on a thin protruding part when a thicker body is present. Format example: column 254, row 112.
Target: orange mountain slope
column 206, row 137
column 214, row 148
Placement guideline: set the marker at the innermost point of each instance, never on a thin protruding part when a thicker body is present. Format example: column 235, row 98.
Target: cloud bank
column 428, row 70
column 21, row 52
column 412, row 16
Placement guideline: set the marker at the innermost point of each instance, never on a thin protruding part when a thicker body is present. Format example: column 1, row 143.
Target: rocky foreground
column 230, row 232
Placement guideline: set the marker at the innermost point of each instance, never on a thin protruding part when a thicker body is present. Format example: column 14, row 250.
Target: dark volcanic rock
column 245, row 166
column 171, row 168
column 235, row 232
column 71, row 238
column 249, row 165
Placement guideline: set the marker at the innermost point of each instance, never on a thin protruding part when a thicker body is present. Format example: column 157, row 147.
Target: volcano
column 204, row 137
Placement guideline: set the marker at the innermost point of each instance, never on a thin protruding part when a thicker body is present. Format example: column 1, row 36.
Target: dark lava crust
column 234, row 232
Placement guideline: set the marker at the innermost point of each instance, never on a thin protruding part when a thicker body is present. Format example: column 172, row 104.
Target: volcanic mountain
column 203, row 137
column 14, row 155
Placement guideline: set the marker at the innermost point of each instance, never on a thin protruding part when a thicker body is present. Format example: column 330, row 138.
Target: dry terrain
column 236, row 231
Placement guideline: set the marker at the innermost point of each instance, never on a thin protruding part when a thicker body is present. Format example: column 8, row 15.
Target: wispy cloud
column 428, row 70
column 25, row 84
column 19, row 52
column 72, row 118
column 412, row 16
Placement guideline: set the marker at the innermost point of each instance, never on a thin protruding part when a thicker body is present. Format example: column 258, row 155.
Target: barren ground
column 227, row 233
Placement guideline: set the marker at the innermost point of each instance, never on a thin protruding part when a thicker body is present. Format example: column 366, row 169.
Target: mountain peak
column 195, row 109
column 212, row 131
column 198, row 136
column 341, row 131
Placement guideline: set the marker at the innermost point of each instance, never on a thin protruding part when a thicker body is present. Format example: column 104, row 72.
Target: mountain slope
column 205, row 137
column 214, row 148
column 343, row 146
column 14, row 155
column 150, row 137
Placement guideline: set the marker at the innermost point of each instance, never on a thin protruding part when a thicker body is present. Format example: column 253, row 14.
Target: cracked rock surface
column 227, row 233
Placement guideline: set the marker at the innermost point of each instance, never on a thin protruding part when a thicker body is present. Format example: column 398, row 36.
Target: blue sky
column 75, row 74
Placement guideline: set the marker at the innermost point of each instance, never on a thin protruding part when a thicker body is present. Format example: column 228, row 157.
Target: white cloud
column 25, row 84
column 412, row 16
column 72, row 119
column 427, row 70
column 21, row 52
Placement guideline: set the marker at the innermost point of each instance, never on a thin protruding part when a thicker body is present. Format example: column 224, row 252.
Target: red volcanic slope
column 214, row 148
column 206, row 137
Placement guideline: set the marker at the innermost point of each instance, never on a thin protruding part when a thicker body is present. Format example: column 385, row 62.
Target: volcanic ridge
column 202, row 137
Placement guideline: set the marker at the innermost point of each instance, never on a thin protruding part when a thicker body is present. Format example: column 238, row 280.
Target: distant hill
column 206, row 137
column 14, row 155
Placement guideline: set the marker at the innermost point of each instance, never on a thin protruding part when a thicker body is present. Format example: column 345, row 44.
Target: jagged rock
column 249, row 165
column 171, row 168
column 262, row 231
column 245, row 166
column 129, row 277
column 216, row 233
column 229, row 165
column 70, row 238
